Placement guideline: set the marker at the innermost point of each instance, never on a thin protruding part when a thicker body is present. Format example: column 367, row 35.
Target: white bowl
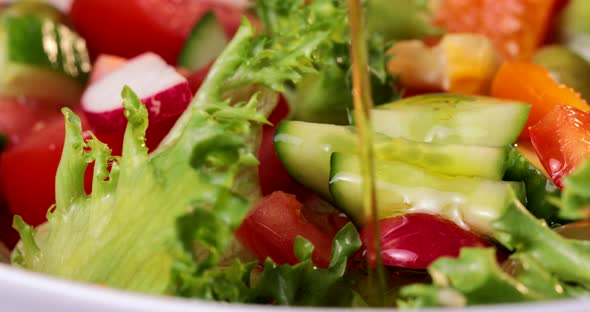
column 28, row 291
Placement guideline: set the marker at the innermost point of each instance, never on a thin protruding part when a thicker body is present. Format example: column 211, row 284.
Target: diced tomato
column 270, row 229
column 562, row 141
column 18, row 117
column 418, row 239
column 516, row 27
column 28, row 171
column 131, row 27
column 533, row 84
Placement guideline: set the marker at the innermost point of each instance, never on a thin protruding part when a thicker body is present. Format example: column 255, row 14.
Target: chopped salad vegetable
column 236, row 176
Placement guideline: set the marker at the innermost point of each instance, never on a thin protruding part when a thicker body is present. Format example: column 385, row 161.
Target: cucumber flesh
column 42, row 58
column 472, row 203
column 204, row 44
column 538, row 187
column 304, row 149
column 452, row 119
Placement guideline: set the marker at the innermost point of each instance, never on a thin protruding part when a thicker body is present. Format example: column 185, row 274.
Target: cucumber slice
column 472, row 203
column 205, row 43
column 304, row 149
column 41, row 58
column 452, row 119
column 538, row 186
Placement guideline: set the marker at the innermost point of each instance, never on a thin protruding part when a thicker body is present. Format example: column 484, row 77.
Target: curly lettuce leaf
column 326, row 95
column 476, row 278
column 566, row 259
column 304, row 284
column 128, row 232
column 575, row 200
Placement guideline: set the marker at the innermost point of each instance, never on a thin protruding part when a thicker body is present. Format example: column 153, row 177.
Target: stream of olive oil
column 363, row 102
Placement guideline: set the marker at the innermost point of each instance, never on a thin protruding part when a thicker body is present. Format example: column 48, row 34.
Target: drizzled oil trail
column 361, row 91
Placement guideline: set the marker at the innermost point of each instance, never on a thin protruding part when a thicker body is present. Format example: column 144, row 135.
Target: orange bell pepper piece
column 516, row 27
column 533, row 84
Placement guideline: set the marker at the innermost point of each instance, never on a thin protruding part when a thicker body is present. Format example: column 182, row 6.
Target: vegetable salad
column 209, row 150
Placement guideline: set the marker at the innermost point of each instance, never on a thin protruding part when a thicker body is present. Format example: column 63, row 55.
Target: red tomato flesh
column 130, row 27
column 418, row 239
column 562, row 141
column 270, row 229
column 28, row 172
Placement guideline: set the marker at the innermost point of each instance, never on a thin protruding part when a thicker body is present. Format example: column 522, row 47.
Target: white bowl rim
column 27, row 291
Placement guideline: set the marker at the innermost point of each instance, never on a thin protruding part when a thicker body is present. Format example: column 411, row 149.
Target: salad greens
column 162, row 223
column 575, row 202
column 319, row 97
column 550, row 267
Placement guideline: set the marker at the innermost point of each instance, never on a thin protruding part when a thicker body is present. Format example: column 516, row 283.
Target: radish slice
column 164, row 92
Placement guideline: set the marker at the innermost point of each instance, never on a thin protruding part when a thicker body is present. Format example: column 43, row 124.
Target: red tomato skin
column 28, row 172
column 562, row 141
column 418, row 239
column 131, row 27
column 270, row 229
column 18, row 117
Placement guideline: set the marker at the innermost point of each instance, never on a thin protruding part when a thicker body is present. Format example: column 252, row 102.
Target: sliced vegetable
column 459, row 63
column 516, row 27
column 566, row 67
column 29, row 168
column 19, row 116
column 195, row 187
column 271, row 173
column 165, row 93
column 533, row 84
column 472, row 203
column 271, row 227
column 137, row 26
column 415, row 240
column 42, row 58
column 305, row 150
column 452, row 119
column 37, row 8
column 205, row 42
column 562, row 141
column 539, row 188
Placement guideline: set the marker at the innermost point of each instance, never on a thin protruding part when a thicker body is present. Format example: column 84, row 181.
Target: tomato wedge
column 516, row 27
column 131, row 27
column 418, row 239
column 533, row 84
column 562, row 141
column 28, row 171
column 270, row 229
